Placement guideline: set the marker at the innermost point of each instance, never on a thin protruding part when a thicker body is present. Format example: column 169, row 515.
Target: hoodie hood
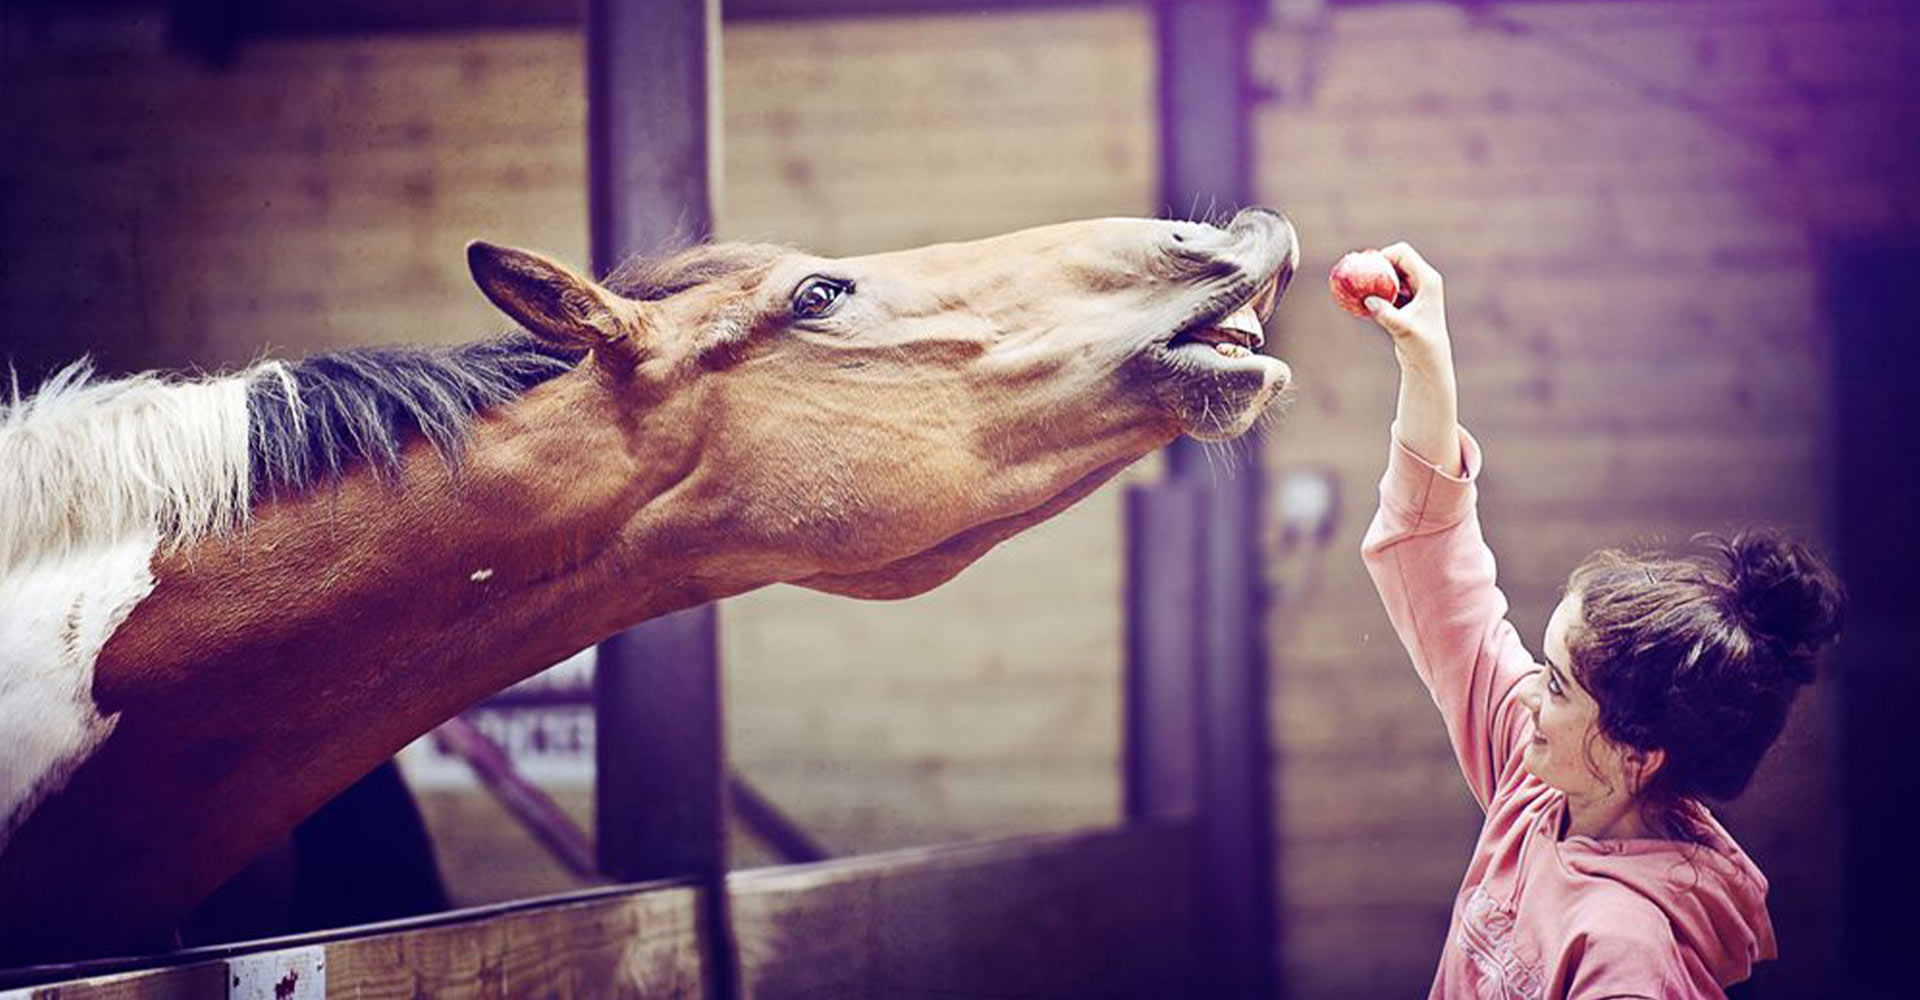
column 1713, row 895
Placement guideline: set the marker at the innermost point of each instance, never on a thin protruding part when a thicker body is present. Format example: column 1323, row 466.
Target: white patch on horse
column 55, row 617
column 95, row 478
column 481, row 575
column 88, row 464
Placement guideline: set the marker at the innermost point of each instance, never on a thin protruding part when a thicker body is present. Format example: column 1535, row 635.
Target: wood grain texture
column 1103, row 914
column 994, row 919
column 642, row 944
column 1630, row 201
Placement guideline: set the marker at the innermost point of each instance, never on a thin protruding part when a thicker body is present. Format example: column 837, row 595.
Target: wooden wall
column 318, row 194
column 1630, row 200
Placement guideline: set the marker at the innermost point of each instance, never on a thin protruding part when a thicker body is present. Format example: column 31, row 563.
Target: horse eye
column 817, row 296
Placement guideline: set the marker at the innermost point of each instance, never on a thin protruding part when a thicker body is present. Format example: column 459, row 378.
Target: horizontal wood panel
column 1613, row 54
column 192, row 982
column 855, row 806
column 986, row 920
column 485, row 855
column 639, row 945
column 989, row 919
column 642, row 944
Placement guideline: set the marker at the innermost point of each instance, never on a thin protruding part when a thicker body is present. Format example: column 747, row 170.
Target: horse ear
column 553, row 302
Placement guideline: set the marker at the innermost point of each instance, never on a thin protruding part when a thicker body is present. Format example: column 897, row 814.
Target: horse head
column 870, row 425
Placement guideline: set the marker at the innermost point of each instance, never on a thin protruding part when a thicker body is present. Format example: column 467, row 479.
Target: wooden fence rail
column 1098, row 914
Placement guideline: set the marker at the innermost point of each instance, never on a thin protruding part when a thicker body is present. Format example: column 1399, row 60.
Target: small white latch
column 293, row 974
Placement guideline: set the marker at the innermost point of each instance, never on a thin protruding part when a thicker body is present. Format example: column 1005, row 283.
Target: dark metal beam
column 652, row 93
column 1873, row 700
column 764, row 820
column 652, row 102
column 1237, row 892
column 525, row 801
column 1163, row 650
column 1197, row 655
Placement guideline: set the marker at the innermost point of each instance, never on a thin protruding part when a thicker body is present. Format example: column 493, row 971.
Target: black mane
column 362, row 404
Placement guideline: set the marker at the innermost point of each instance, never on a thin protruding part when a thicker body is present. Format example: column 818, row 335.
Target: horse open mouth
column 1237, row 335
column 1213, row 375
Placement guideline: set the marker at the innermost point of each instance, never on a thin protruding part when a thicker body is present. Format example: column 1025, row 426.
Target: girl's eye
column 817, row 297
column 1553, row 685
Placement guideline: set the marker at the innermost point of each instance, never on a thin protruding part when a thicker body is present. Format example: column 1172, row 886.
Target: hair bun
column 1785, row 596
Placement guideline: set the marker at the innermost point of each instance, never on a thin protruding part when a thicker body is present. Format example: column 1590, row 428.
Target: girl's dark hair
column 1701, row 657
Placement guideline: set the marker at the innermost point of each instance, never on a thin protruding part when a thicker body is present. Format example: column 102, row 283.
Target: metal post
column 652, row 98
column 1164, row 532
column 1206, row 659
column 1872, row 706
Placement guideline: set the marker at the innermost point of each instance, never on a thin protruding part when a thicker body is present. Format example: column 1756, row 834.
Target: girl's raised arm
column 1425, row 552
column 1428, row 417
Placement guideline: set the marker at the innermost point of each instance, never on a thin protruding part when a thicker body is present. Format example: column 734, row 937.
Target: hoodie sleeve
column 1436, row 575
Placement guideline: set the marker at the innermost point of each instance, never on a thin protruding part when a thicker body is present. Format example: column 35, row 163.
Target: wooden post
column 1197, row 670
column 652, row 98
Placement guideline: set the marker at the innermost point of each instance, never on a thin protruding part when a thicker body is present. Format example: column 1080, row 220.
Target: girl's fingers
column 1420, row 274
column 1387, row 315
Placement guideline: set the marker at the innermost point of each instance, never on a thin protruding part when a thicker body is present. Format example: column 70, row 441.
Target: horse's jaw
column 916, row 574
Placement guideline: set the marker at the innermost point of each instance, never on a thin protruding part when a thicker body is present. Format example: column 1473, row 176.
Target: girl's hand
column 1427, row 419
column 1419, row 328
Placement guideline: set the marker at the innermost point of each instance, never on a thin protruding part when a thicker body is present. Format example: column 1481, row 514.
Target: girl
column 1598, row 872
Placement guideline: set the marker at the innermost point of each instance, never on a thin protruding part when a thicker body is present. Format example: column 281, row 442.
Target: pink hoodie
column 1537, row 915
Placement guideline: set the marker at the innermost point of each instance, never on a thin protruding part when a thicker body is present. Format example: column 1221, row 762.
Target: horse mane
column 86, row 462
column 649, row 278
column 313, row 419
column 310, row 421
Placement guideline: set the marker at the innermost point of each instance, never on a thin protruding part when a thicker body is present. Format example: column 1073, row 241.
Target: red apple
column 1360, row 274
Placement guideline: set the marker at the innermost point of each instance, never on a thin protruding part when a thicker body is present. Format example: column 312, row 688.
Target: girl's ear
column 556, row 304
column 1643, row 765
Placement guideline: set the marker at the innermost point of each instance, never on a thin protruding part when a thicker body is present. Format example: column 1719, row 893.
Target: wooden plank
column 1105, row 914
column 856, row 805
column 991, row 918
column 192, row 982
column 485, row 856
column 640, row 943
column 1372, row 60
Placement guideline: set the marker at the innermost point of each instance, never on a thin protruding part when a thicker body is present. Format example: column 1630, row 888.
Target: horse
column 223, row 599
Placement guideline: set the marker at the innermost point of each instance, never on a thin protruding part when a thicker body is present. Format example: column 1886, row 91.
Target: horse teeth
column 1231, row 350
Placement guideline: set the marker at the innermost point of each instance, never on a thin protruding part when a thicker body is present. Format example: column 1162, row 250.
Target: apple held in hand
column 1360, row 274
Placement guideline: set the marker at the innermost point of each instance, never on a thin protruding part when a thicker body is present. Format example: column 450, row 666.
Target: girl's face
column 1568, row 751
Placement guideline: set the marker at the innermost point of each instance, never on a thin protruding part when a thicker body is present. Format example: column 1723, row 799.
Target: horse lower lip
column 1236, row 349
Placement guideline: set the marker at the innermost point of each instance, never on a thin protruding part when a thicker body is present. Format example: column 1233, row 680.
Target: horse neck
column 429, row 589
column 266, row 671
